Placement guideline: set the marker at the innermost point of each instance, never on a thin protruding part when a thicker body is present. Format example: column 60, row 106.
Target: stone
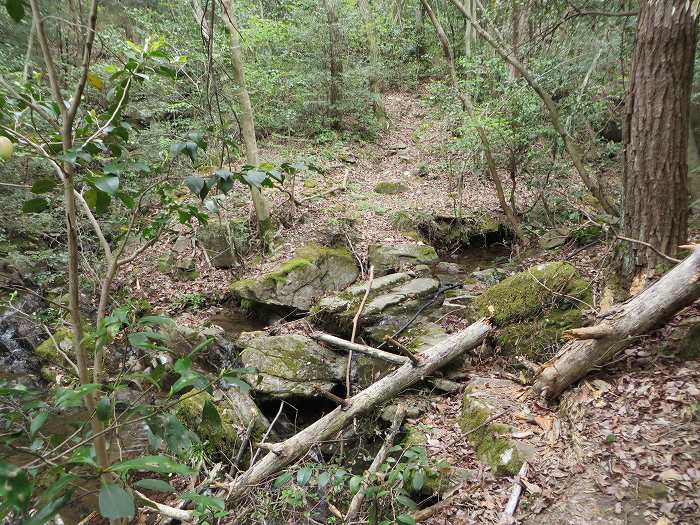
column 390, row 258
column 390, row 188
column 554, row 238
column 392, row 295
column 484, row 398
column 290, row 365
column 303, row 280
column 526, row 295
column 214, row 238
column 218, row 441
column 448, row 267
column 489, row 276
column 452, row 232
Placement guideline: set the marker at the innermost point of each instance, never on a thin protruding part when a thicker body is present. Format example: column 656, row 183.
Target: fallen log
column 289, row 451
column 592, row 347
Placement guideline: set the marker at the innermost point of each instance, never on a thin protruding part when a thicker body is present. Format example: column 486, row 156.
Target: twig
column 331, row 396
column 166, row 510
column 348, row 367
column 405, row 351
column 426, row 513
column 514, row 496
column 244, row 443
column 379, row 459
column 643, row 243
column 269, row 429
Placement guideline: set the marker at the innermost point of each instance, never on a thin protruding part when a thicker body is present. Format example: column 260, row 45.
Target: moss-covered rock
column 391, row 258
column 219, row 440
column 390, row 188
column 477, row 230
column 291, row 364
column 497, row 452
column 527, row 294
column 63, row 338
column 299, row 282
column 539, row 339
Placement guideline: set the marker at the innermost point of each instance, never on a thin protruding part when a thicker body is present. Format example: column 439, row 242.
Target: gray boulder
column 290, row 365
column 303, row 280
column 390, row 258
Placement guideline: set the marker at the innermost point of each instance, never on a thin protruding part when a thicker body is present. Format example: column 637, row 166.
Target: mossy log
column 289, row 451
column 616, row 328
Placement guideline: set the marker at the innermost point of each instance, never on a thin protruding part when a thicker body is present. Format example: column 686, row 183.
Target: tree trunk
column 469, row 36
column 374, row 64
column 335, row 64
column 289, row 451
column 594, row 346
column 656, row 135
column 247, row 122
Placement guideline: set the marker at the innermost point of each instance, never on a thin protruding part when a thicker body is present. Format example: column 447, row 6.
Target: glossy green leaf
column 115, row 502
column 48, row 511
column 15, row 487
column 418, row 479
column 405, row 519
column 104, row 409
column 406, row 501
column 69, row 397
column 157, row 485
column 323, row 479
column 210, row 415
column 37, row 422
column 304, row 475
column 108, row 184
column 160, row 464
column 15, row 8
column 281, row 479
column 355, row 484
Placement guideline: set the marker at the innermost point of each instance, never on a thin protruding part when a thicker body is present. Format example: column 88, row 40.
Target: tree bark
column 335, row 64
column 656, row 134
column 374, row 64
column 617, row 327
column 292, row 449
column 262, row 207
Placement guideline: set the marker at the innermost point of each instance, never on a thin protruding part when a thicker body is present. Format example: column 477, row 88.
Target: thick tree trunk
column 616, row 328
column 335, row 64
column 656, row 134
column 287, row 452
column 374, row 63
column 262, row 207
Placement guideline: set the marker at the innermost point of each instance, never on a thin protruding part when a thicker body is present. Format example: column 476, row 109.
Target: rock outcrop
column 301, row 281
column 388, row 258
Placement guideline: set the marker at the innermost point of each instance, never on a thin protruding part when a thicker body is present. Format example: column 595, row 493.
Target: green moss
column 652, row 490
column 220, row 441
column 390, row 188
column 415, row 436
column 242, row 285
column 63, row 337
column 537, row 339
column 497, row 452
column 527, row 294
column 280, row 276
column 314, row 252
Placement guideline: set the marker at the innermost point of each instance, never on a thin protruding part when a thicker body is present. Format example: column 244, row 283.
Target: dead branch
column 360, row 349
column 379, row 459
column 512, row 504
column 356, row 319
column 598, row 331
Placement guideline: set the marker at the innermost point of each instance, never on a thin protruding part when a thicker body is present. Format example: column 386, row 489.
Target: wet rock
column 301, row 281
column 489, row 276
column 451, row 232
column 391, row 258
column 290, row 365
column 19, row 335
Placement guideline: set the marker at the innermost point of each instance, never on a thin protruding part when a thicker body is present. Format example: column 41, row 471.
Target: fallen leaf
column 670, row 475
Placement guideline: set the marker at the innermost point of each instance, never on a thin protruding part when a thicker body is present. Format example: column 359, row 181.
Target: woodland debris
column 386, row 388
column 361, row 349
column 512, row 504
column 645, row 311
column 379, row 459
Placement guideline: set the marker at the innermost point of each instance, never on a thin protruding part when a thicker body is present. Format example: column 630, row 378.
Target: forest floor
column 624, row 445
